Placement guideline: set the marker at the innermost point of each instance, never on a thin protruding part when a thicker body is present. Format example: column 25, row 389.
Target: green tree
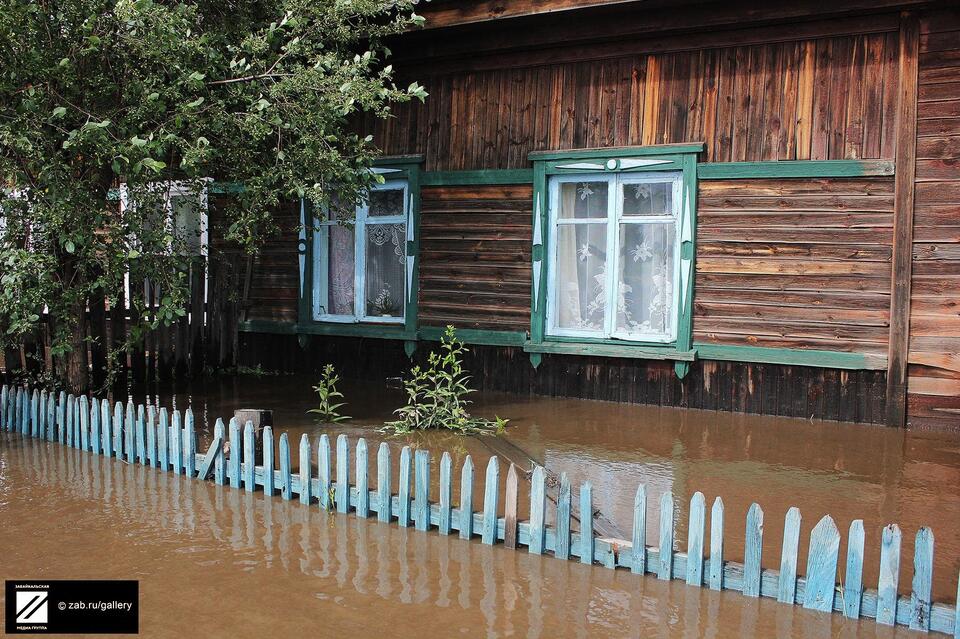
column 96, row 95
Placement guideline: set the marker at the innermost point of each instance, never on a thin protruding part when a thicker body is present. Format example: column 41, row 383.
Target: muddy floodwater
column 215, row 561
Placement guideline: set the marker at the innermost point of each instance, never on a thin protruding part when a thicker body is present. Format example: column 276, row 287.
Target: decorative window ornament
column 584, row 191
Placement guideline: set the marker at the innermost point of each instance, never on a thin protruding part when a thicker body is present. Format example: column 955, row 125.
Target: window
column 614, row 258
column 360, row 268
column 181, row 209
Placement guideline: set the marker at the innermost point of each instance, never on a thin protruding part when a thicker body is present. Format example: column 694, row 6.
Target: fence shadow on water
column 167, row 441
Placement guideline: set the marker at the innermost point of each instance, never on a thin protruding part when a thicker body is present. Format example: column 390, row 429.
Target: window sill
column 634, row 351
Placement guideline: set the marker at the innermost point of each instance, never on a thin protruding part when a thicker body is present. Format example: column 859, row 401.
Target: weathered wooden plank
column 920, row 595
column 324, row 472
column 753, row 547
column 421, row 481
column 787, row 588
column 904, row 196
column 665, row 554
column 140, row 435
column 889, row 575
column 956, row 616
column 163, row 444
column 586, row 523
column 466, row 499
column 286, row 477
column 51, row 416
column 269, row 481
column 538, row 506
column 384, row 496
column 822, row 559
column 130, row 435
column 152, row 436
column 4, row 399
column 210, row 458
column 106, row 433
column 343, row 474
column 446, row 495
column 189, row 443
column 306, row 471
column 83, row 408
column 249, row 456
column 638, row 550
column 236, row 453
column 853, row 582
column 95, row 433
column 403, row 493
column 68, row 425
column 562, row 548
column 176, row 443
column 716, row 545
column 219, row 467
column 510, row 504
column 695, row 534
column 491, row 495
column 363, row 488
column 35, row 418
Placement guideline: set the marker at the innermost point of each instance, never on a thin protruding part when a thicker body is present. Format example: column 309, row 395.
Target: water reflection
column 241, row 564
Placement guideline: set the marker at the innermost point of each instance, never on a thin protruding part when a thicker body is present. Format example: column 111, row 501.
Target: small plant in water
column 436, row 395
column 327, row 390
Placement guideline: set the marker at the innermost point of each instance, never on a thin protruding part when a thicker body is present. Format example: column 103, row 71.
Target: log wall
column 817, row 98
column 475, row 245
column 794, row 263
column 934, row 358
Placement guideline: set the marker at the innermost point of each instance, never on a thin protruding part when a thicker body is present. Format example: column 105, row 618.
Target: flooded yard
column 220, row 561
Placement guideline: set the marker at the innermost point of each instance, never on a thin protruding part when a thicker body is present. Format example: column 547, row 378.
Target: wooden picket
column 156, row 438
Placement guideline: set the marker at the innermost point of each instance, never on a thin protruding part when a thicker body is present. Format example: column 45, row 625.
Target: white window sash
column 362, row 219
column 615, row 217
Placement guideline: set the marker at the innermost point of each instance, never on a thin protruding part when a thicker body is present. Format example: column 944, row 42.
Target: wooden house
column 741, row 206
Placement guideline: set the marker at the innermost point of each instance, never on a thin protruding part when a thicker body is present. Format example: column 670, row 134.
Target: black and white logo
column 32, row 606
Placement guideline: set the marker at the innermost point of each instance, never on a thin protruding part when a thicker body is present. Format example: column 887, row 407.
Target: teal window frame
column 406, row 168
column 680, row 158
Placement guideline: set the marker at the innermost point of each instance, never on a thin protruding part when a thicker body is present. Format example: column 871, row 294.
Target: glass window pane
column 648, row 198
column 386, row 258
column 384, row 202
column 581, row 281
column 580, row 200
column 186, row 220
column 645, row 279
column 340, row 270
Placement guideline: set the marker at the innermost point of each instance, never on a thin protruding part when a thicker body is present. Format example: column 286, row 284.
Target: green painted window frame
column 409, row 168
column 623, row 160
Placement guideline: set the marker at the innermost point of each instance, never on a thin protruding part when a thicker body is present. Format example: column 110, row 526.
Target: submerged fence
column 165, row 440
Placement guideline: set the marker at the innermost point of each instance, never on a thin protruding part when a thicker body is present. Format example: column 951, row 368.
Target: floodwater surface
column 217, row 561
column 214, row 561
column 848, row 471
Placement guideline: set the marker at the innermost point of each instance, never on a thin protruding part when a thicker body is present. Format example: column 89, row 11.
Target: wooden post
column 904, row 184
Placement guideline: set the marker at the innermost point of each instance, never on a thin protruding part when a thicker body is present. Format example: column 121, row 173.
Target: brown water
column 255, row 566
column 213, row 561
column 849, row 471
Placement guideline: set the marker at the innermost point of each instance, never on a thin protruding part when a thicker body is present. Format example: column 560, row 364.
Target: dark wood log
column 899, row 342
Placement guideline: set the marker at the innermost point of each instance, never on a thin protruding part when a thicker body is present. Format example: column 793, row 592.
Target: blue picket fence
column 167, row 441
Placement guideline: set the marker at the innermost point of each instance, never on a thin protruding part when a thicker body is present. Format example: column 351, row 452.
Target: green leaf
column 59, row 112
column 69, row 246
column 195, row 103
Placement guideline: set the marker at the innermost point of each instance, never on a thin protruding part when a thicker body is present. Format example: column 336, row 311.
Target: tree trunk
column 77, row 370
